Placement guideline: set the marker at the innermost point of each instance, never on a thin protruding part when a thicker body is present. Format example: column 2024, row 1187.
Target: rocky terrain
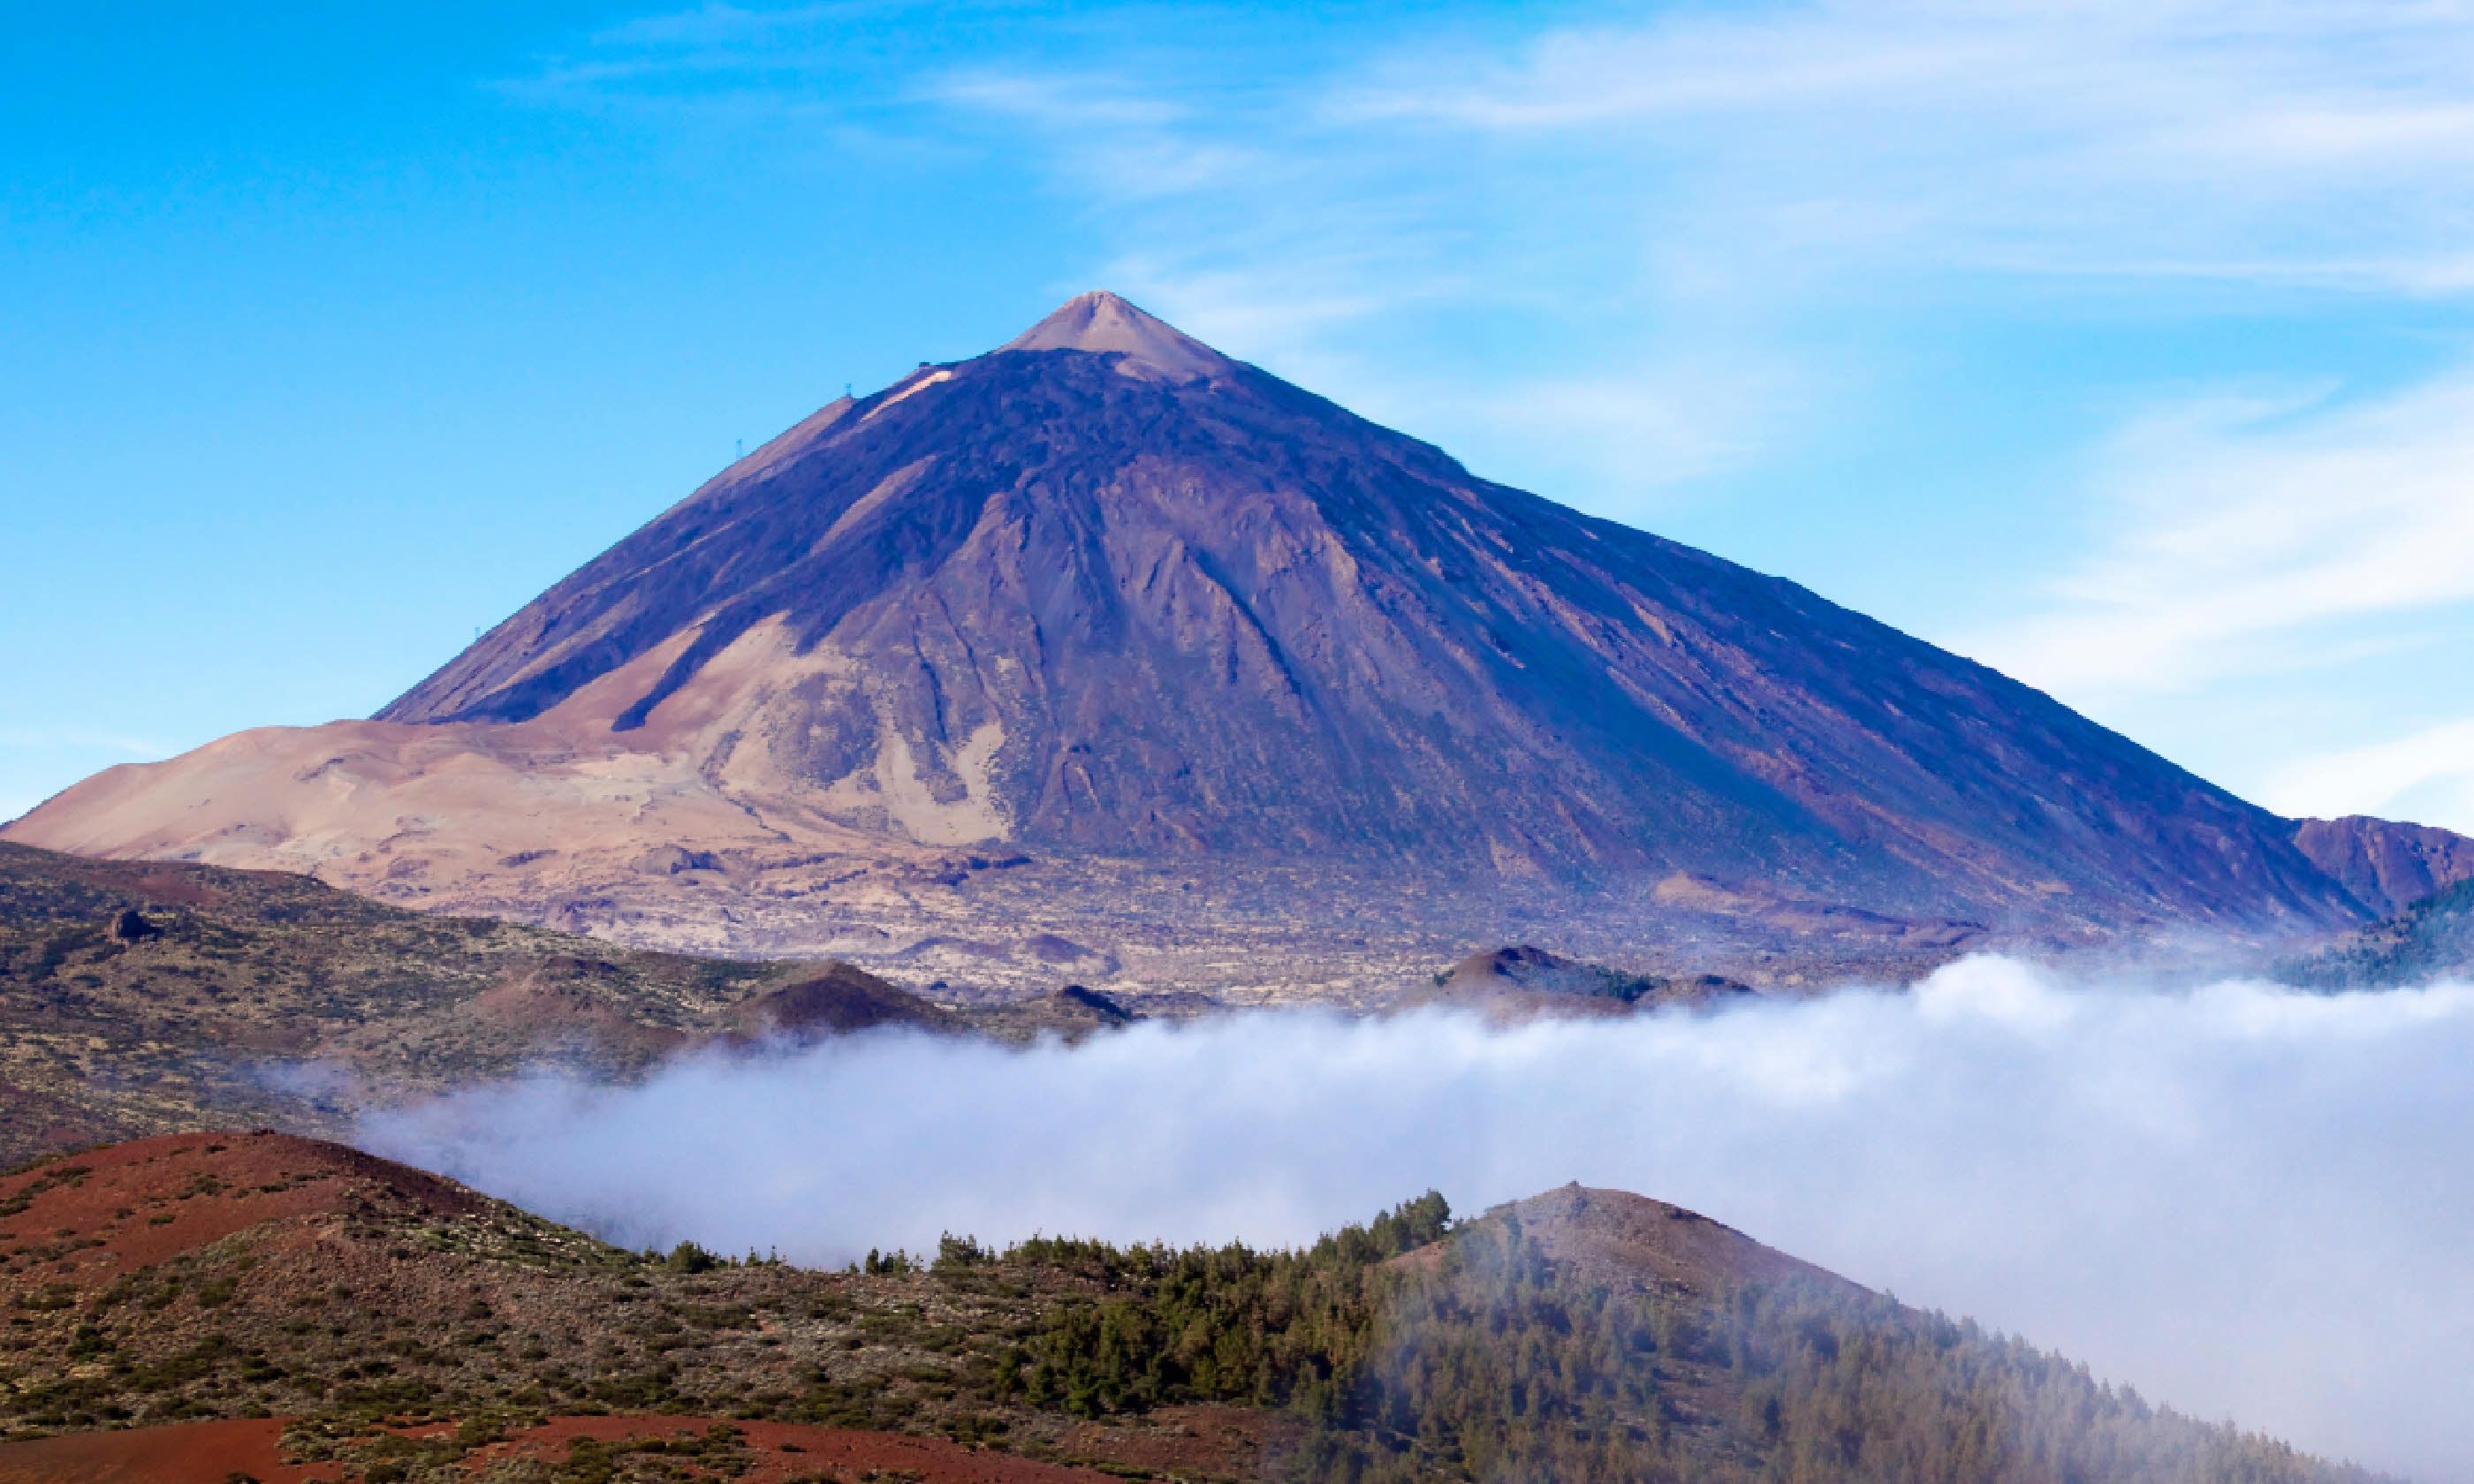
column 2388, row 866
column 139, row 997
column 1104, row 640
column 1524, row 981
column 144, row 997
column 179, row 1308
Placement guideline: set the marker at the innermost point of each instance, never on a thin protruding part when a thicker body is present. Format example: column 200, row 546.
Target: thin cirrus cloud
column 2243, row 537
column 1695, row 175
column 2179, row 138
column 2427, row 774
column 1756, row 152
column 1709, row 180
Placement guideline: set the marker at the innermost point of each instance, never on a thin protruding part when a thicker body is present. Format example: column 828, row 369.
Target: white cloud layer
column 2246, row 1202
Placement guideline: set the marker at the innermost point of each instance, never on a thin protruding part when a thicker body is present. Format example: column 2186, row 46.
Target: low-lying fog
column 2248, row 1202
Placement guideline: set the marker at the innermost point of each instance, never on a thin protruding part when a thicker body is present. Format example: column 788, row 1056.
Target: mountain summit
column 1105, row 594
column 1103, row 323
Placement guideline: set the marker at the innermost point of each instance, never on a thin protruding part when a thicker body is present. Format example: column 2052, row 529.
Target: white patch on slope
column 912, row 390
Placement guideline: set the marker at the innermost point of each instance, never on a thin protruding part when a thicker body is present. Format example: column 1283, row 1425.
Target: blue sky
column 2129, row 347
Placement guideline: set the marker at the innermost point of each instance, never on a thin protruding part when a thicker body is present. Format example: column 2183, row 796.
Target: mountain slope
column 1107, row 593
column 2386, row 865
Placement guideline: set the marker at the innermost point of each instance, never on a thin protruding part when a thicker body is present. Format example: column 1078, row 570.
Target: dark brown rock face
column 2388, row 866
column 1526, row 970
column 1113, row 593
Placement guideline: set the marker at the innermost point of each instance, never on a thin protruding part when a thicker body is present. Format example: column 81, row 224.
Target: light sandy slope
column 483, row 816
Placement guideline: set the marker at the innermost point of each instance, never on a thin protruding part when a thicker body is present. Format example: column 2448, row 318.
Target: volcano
column 1106, row 595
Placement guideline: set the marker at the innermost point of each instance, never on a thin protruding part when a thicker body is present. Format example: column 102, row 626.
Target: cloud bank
column 2248, row 1202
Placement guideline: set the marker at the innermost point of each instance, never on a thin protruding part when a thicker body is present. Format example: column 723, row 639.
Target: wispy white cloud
column 762, row 64
column 1120, row 143
column 1706, row 180
column 2190, row 136
column 2427, row 774
column 1750, row 151
column 2243, row 537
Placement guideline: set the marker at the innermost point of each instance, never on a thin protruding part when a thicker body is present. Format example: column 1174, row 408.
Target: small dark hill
column 1514, row 983
column 1071, row 1012
column 837, row 1000
column 140, row 997
column 38, row 887
column 1616, row 1236
column 146, row 997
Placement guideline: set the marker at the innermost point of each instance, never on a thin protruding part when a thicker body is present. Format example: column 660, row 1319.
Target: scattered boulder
column 1076, row 1000
column 671, row 860
column 1072, row 1013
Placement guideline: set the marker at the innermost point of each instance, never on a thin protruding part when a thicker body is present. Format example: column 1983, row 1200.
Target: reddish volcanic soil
column 133, row 1205
column 1223, row 1442
column 211, row 1452
column 207, row 1453
column 787, row 1451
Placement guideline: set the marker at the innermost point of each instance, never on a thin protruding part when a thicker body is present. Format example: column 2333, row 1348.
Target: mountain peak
column 1102, row 322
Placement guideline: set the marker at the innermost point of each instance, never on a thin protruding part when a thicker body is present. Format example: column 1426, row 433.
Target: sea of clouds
column 2249, row 1202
